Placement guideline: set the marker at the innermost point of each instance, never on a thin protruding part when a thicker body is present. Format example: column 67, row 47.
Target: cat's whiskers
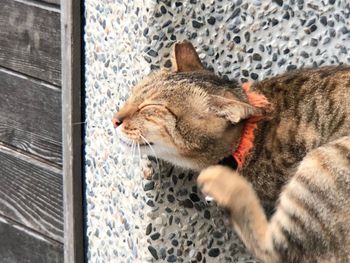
column 137, row 157
column 134, row 154
column 140, row 159
column 132, row 151
column 117, row 137
column 154, row 153
column 77, row 123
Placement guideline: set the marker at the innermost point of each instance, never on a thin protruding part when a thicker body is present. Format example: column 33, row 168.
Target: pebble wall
column 166, row 219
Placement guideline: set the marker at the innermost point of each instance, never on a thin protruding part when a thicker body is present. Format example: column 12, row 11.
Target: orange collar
column 246, row 142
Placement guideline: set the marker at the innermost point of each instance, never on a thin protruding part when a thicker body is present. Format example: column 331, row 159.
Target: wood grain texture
column 31, row 193
column 72, row 134
column 19, row 244
column 30, row 40
column 30, row 116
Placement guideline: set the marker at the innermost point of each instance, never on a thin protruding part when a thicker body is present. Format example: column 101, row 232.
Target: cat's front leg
column 223, row 184
column 147, row 169
column 235, row 193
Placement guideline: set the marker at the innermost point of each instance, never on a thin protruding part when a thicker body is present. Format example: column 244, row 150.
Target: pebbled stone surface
column 131, row 219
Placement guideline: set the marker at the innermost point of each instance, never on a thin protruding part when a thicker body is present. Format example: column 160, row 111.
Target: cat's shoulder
column 304, row 77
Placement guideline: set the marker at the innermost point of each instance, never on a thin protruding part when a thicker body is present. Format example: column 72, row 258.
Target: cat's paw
column 147, row 169
column 147, row 172
column 220, row 183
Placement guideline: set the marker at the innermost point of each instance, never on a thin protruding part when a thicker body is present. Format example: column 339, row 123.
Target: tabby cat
column 287, row 137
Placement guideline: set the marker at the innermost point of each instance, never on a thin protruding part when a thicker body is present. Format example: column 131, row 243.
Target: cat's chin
column 128, row 144
column 161, row 152
column 190, row 164
column 181, row 162
column 170, row 155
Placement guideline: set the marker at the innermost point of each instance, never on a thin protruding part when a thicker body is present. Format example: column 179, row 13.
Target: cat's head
column 187, row 115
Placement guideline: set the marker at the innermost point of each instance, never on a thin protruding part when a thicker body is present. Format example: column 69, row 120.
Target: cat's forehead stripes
column 205, row 80
column 148, row 103
column 170, row 92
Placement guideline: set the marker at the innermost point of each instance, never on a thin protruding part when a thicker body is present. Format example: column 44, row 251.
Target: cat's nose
column 116, row 121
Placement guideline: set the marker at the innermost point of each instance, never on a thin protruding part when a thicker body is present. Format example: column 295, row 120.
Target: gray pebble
column 257, row 57
column 217, row 234
column 254, row 76
column 313, row 42
column 162, row 253
column 153, row 252
column 323, row 20
column 155, row 236
column 286, row 15
column 149, row 229
column 344, row 30
column 279, row 2
column 211, row 20
column 210, row 243
column 175, row 243
column 281, row 62
column 235, row 13
column 237, row 39
column 152, row 53
column 247, row 36
column 170, row 198
column 196, row 24
column 226, row 63
column 167, row 23
column 214, row 252
column 332, row 32
column 291, row 67
column 186, row 203
column 170, row 251
column 304, row 54
column 311, row 22
column 163, row 9
column 148, row 186
column 171, row 258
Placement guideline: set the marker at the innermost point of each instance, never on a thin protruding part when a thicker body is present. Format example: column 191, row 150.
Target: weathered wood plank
column 19, row 244
column 56, row 2
column 30, row 40
column 31, row 193
column 30, row 116
column 71, row 21
column 43, row 3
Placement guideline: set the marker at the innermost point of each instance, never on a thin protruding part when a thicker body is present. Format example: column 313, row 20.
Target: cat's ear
column 185, row 58
column 231, row 109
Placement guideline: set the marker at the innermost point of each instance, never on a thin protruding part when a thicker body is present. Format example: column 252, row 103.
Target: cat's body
column 312, row 107
column 194, row 119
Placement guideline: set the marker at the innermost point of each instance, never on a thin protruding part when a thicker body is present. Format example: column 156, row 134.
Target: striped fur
column 300, row 159
column 312, row 219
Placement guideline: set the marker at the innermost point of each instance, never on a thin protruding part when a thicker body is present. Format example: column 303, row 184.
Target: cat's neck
column 266, row 128
column 246, row 142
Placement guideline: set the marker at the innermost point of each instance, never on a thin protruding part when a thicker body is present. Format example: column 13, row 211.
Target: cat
column 287, row 140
